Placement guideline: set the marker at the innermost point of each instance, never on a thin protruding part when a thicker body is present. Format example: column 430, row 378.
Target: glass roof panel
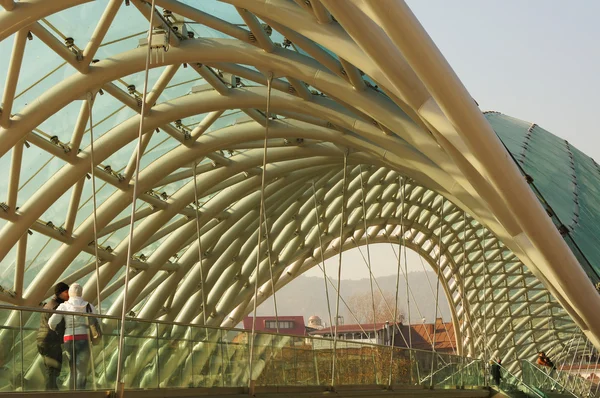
column 39, row 250
column 567, row 179
column 62, row 123
column 35, row 171
column 86, row 206
column 78, row 22
column 41, row 69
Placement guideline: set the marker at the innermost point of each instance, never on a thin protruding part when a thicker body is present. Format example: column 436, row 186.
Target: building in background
column 421, row 336
column 288, row 325
column 315, row 323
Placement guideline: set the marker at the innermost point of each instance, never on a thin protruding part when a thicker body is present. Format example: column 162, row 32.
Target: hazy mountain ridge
column 306, row 296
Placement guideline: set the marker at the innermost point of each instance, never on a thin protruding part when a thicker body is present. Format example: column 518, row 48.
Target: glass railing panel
column 382, row 357
column 323, row 352
column 304, row 363
column 103, row 354
column 353, row 364
column 207, row 367
column 511, row 385
column 280, row 361
column 360, row 363
column 234, row 352
column 174, row 355
column 263, row 373
column 424, row 363
column 236, row 360
column 402, row 371
column 42, row 364
column 547, row 380
column 446, row 371
column 10, row 354
column 141, row 353
column 162, row 355
column 472, row 372
column 285, row 345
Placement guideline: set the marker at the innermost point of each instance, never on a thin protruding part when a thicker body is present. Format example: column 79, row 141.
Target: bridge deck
column 275, row 392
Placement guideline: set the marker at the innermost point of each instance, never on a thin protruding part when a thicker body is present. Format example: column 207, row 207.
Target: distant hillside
column 306, row 296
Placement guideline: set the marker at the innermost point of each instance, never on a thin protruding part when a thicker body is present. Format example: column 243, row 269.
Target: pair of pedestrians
column 74, row 331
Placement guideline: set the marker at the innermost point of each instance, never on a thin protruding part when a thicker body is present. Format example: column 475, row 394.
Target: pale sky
column 536, row 60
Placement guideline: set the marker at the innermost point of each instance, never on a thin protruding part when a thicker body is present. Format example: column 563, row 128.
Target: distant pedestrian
column 77, row 341
column 49, row 341
column 544, row 360
column 496, row 371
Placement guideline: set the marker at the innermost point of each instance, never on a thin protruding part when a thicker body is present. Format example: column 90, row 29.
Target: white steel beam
column 100, row 32
column 20, row 266
column 74, row 205
column 14, row 176
column 80, row 127
column 161, row 84
column 257, row 31
column 12, row 77
column 211, row 21
column 205, row 124
column 211, row 78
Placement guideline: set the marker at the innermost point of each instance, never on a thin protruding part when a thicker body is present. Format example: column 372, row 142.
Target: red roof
column 422, row 336
column 297, row 329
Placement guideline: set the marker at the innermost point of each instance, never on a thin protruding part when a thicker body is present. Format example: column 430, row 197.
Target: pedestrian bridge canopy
column 370, row 138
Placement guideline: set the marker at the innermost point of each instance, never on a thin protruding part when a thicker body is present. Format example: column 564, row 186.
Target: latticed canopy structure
column 370, row 138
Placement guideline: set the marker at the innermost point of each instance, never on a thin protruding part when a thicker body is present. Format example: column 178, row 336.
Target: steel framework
column 388, row 100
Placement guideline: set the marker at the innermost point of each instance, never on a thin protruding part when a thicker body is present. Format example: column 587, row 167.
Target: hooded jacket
column 76, row 327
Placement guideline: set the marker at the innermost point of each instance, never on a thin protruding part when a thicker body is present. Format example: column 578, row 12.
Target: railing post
column 191, row 345
column 316, row 362
column 22, row 350
column 156, row 326
column 464, row 374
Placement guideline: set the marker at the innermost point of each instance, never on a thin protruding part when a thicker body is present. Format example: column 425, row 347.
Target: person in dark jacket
column 496, row 372
column 49, row 342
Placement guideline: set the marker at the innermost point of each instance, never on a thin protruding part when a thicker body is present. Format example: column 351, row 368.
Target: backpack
column 94, row 325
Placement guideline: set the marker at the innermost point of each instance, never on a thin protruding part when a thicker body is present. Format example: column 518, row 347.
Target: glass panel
column 565, row 180
column 163, row 355
column 11, row 364
column 236, row 361
column 141, row 356
column 207, row 358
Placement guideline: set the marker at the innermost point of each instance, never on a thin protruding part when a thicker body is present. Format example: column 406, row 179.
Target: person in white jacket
column 77, row 340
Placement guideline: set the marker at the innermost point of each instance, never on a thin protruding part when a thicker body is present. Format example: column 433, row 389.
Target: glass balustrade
column 159, row 355
column 558, row 381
